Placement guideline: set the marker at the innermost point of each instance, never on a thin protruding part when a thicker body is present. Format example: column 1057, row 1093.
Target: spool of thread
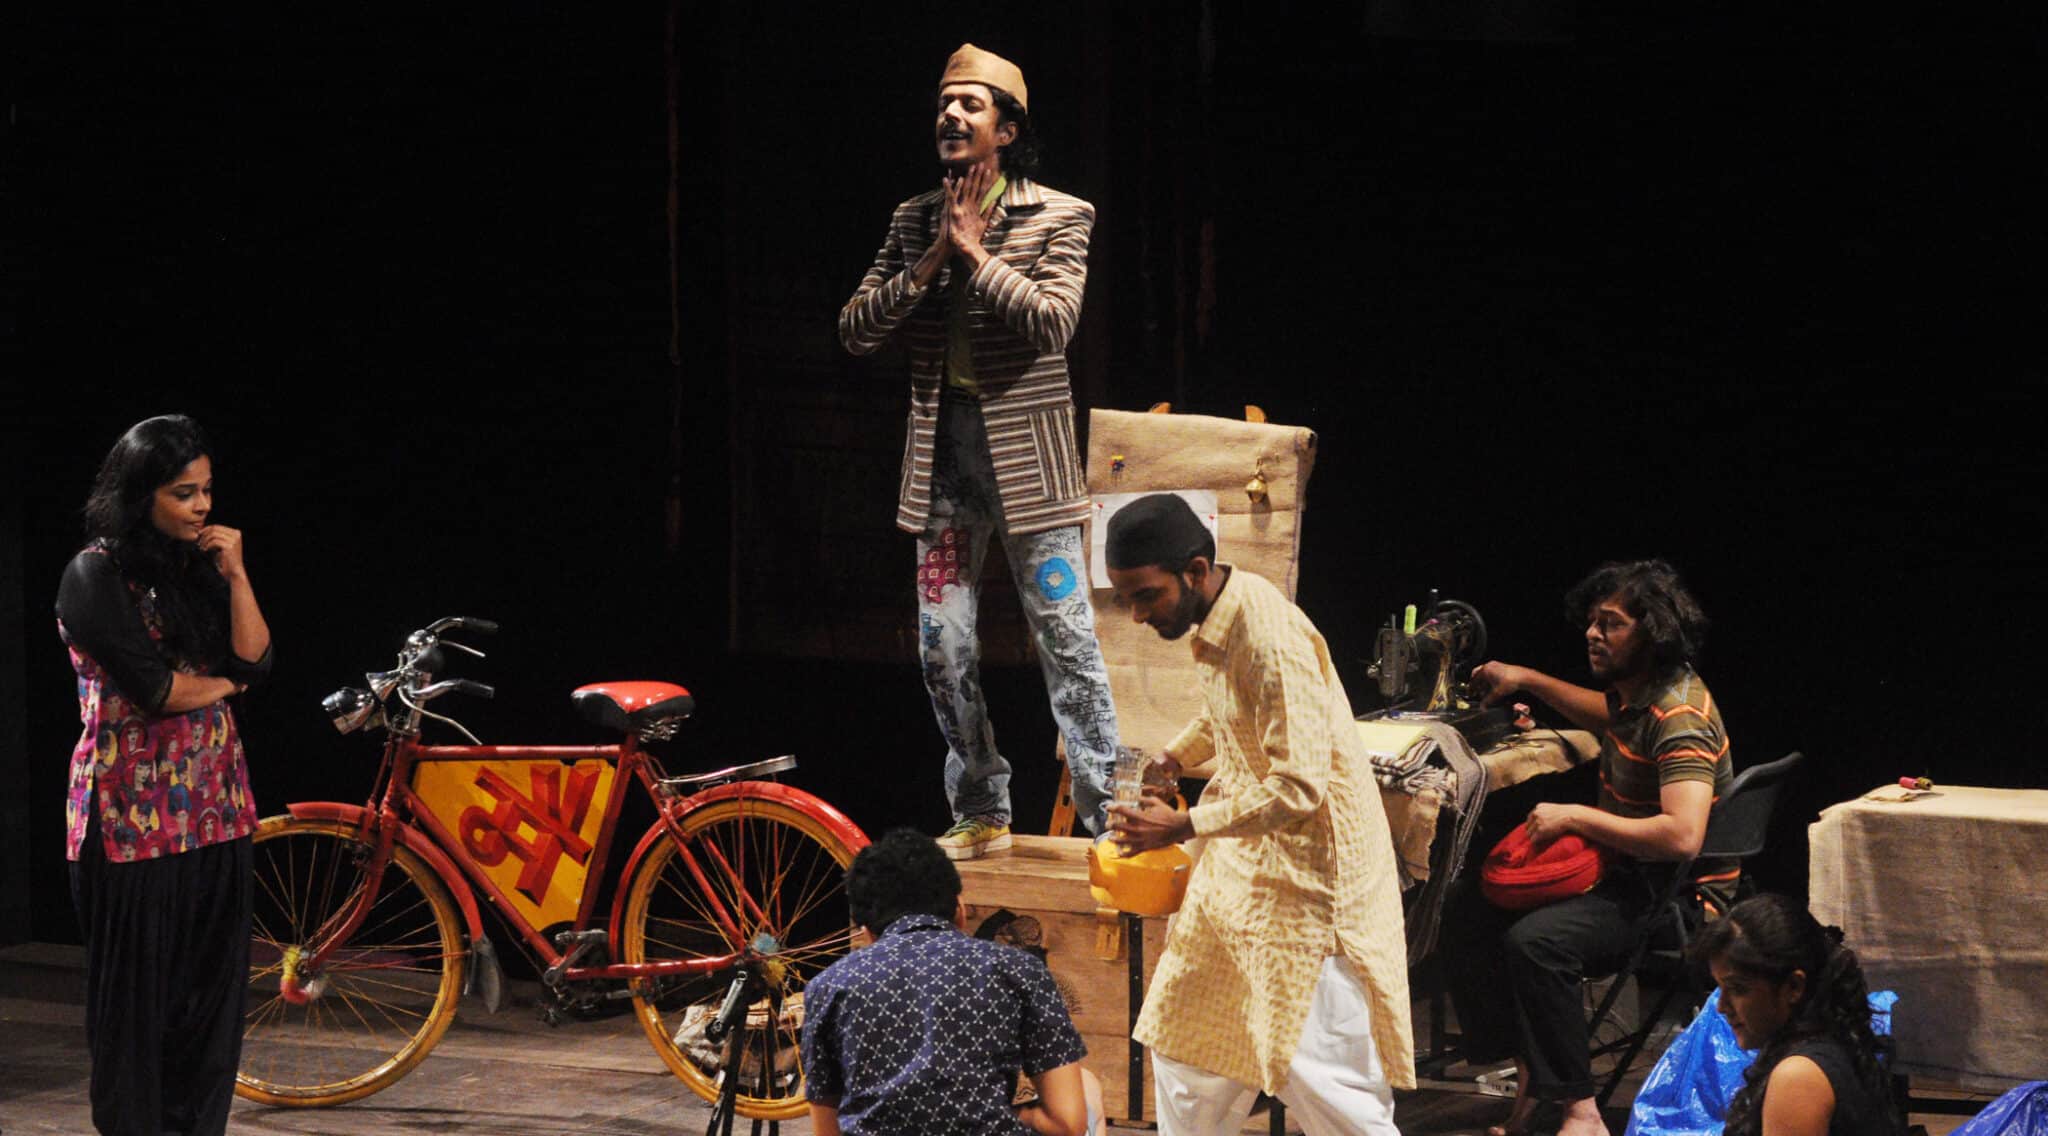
column 1920, row 783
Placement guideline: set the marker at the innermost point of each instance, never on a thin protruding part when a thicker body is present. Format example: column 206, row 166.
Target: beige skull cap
column 971, row 64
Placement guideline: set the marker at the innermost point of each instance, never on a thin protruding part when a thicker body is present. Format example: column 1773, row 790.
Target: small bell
column 1256, row 487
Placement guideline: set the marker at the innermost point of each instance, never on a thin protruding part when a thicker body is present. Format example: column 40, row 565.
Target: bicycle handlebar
column 418, row 661
column 453, row 686
column 462, row 623
column 423, row 647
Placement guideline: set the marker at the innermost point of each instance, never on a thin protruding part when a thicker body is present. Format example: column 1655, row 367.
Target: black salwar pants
column 166, row 965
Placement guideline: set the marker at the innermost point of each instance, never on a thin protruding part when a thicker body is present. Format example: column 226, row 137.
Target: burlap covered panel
column 1152, row 679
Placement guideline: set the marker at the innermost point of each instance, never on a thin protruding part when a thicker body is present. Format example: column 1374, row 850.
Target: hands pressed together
column 962, row 223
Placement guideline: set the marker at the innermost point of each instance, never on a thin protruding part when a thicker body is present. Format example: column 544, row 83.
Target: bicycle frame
column 369, row 925
column 396, row 813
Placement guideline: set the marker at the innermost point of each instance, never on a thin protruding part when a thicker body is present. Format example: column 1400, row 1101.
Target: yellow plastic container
column 1151, row 883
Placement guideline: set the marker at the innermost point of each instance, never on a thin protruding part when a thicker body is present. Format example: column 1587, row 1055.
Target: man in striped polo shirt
column 1663, row 761
column 984, row 277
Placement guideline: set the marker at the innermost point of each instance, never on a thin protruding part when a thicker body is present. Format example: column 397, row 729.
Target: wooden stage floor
column 505, row 1074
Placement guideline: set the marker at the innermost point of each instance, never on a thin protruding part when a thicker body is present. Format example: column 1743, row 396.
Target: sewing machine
column 1421, row 668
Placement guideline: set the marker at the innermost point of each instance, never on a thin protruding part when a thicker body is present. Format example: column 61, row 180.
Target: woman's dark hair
column 117, row 517
column 1651, row 592
column 903, row 873
column 1766, row 938
column 1020, row 157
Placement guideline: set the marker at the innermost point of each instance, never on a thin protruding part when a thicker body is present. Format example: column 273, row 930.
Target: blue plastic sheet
column 1688, row 1091
column 2021, row 1112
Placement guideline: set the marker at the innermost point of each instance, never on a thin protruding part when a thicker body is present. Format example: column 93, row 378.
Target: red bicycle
column 367, row 929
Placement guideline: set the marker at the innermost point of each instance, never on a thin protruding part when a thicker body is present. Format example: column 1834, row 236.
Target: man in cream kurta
column 1286, row 968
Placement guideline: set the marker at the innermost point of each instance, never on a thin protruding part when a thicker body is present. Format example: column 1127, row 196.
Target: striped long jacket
column 1023, row 305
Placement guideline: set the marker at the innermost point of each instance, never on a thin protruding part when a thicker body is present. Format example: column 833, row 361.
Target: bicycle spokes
column 327, row 1021
column 760, row 882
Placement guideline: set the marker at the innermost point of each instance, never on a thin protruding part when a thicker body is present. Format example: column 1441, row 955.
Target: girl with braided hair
column 1791, row 990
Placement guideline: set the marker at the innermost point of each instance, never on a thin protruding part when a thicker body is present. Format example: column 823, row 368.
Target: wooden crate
column 1045, row 879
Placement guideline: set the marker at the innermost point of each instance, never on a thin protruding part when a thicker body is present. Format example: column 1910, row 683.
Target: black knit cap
column 1158, row 530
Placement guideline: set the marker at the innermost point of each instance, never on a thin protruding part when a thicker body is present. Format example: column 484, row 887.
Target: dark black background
column 1752, row 291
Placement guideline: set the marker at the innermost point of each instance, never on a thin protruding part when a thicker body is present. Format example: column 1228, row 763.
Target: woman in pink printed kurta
column 162, row 626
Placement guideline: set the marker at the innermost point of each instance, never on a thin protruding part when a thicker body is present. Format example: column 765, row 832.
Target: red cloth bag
column 1518, row 877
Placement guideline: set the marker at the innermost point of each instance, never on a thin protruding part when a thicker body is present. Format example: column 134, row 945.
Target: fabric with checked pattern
column 926, row 1030
column 1296, row 864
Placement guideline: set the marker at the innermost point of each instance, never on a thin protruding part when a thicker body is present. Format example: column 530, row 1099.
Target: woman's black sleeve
column 101, row 619
column 232, row 666
column 245, row 672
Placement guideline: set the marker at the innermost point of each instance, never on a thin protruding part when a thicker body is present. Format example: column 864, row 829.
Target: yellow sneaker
column 973, row 838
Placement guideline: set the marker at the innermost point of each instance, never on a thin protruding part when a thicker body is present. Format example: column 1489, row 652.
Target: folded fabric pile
column 1429, row 763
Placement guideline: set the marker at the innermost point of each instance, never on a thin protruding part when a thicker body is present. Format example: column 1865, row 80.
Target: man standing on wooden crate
column 927, row 1030
column 984, row 276
column 1286, row 968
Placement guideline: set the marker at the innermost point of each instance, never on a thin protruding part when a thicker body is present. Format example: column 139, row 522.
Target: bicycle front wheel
column 378, row 1003
column 777, row 877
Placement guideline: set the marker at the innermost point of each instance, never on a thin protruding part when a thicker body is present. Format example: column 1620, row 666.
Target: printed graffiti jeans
column 1050, row 569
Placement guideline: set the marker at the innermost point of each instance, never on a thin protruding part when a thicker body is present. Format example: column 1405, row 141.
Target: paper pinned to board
column 1202, row 501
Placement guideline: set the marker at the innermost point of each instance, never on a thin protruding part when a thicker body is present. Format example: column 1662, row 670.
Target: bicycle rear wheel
column 781, row 874
column 379, row 1003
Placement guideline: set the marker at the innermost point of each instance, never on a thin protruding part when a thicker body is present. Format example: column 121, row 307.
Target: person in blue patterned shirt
column 927, row 1029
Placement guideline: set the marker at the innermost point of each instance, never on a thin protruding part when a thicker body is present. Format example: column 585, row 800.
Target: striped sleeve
column 1688, row 745
column 886, row 294
column 1044, row 306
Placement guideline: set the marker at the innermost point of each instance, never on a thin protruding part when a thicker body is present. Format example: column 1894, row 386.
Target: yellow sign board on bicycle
column 530, row 825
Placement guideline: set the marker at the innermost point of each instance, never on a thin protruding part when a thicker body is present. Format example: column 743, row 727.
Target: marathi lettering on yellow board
column 530, row 825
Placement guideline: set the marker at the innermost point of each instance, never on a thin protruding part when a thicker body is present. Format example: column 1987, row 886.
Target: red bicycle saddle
column 632, row 707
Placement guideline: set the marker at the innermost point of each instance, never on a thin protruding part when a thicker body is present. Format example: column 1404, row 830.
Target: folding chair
column 1736, row 829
